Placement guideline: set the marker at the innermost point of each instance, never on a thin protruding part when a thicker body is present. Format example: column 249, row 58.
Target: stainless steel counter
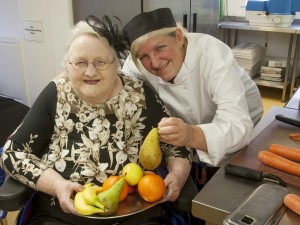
column 223, row 193
column 294, row 103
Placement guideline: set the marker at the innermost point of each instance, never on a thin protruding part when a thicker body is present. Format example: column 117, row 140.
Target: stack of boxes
column 274, row 71
column 250, row 57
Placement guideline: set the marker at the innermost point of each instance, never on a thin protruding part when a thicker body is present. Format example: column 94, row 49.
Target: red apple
column 131, row 188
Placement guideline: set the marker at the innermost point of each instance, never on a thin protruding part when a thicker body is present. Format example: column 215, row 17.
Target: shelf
column 293, row 53
column 267, row 83
column 246, row 26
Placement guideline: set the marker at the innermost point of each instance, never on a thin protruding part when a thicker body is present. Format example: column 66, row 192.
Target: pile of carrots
column 285, row 159
column 282, row 158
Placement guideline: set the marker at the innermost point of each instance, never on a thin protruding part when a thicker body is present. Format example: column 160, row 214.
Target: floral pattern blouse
column 84, row 142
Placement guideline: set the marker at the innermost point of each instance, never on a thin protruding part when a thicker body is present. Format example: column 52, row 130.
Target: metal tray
column 131, row 205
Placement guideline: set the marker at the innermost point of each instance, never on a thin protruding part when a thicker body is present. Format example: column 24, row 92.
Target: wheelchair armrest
column 13, row 194
column 187, row 194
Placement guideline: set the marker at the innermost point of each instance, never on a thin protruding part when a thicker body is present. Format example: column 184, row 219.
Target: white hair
column 82, row 28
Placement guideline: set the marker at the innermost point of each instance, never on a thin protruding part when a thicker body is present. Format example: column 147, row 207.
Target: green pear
column 150, row 153
column 110, row 197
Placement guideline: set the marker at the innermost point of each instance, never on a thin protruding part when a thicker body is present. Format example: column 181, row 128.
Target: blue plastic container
column 295, row 6
column 256, row 5
column 282, row 7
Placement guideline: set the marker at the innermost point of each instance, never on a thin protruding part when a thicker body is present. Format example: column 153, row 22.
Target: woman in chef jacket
column 213, row 102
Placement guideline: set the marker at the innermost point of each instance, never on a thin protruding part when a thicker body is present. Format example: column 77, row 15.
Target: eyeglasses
column 99, row 64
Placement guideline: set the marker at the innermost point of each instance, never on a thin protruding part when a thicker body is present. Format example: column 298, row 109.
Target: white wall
column 10, row 25
column 11, row 51
column 41, row 59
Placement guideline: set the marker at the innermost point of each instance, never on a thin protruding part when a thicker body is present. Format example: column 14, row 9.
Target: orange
column 148, row 172
column 113, row 179
column 151, row 187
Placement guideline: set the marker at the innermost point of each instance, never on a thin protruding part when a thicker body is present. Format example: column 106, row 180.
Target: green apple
column 133, row 172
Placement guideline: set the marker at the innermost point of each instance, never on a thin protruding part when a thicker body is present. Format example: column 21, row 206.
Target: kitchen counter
column 223, row 193
column 294, row 103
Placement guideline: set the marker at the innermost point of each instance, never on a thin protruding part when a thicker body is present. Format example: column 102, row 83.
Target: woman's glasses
column 99, row 64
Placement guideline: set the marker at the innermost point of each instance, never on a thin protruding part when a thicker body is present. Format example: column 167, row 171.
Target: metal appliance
column 274, row 13
column 200, row 16
column 196, row 15
column 124, row 10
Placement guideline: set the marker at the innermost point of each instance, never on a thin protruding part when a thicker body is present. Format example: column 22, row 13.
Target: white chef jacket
column 209, row 92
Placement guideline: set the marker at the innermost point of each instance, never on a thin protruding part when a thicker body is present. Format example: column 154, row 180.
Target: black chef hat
column 147, row 22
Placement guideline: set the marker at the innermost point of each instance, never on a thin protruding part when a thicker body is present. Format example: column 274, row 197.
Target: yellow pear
column 150, row 153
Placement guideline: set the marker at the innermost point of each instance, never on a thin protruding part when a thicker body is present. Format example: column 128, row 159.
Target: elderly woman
column 86, row 125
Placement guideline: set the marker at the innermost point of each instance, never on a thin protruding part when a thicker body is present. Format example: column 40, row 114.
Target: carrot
column 286, row 152
column 295, row 136
column 292, row 201
column 278, row 162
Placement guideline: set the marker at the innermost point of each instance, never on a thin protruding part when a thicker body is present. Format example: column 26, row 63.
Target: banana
column 88, row 185
column 90, row 201
column 83, row 208
column 90, row 196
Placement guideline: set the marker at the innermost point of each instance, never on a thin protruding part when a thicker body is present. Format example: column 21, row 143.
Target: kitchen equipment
column 253, row 174
column 235, row 8
column 274, row 13
column 124, row 10
column 263, row 207
column 195, row 15
column 288, row 120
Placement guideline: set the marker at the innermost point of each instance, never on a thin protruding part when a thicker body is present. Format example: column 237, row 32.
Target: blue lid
column 256, row 5
column 283, row 7
column 296, row 6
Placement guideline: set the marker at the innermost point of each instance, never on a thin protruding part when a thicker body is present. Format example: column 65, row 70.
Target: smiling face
column 163, row 56
column 92, row 85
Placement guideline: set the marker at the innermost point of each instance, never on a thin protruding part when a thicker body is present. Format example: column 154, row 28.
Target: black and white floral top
column 84, row 142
